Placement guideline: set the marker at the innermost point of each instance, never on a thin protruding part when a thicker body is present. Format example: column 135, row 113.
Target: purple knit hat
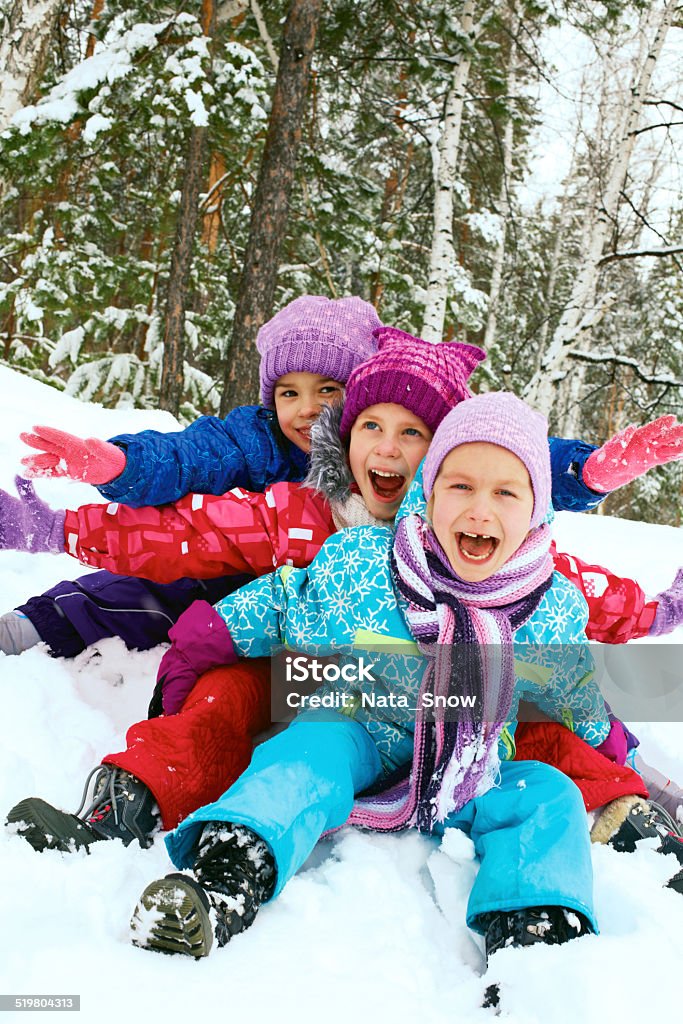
column 425, row 378
column 503, row 419
column 313, row 334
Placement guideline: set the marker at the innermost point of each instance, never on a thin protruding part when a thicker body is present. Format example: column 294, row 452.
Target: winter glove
column 27, row 523
column 199, row 641
column 61, row 454
column 633, row 451
column 669, row 612
column 615, row 747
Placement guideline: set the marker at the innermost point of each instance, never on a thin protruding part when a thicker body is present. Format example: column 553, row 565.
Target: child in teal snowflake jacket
column 476, row 572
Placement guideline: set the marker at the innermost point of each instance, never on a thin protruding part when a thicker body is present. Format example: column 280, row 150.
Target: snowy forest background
column 502, row 171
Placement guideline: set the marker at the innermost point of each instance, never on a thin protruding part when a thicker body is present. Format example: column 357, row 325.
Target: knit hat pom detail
column 427, row 379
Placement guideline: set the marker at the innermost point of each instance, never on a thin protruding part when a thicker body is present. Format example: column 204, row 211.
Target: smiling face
column 481, row 508
column 388, row 444
column 298, row 398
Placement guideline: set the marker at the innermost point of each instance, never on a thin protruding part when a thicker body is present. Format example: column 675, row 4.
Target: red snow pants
column 189, row 759
column 599, row 779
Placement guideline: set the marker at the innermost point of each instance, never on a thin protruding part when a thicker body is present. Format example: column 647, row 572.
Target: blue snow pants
column 530, row 831
column 76, row 613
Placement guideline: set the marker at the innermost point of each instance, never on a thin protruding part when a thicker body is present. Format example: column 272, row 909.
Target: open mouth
column 386, row 486
column 476, row 547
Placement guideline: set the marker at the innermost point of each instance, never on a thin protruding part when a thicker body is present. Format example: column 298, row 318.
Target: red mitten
column 62, row 454
column 633, row 451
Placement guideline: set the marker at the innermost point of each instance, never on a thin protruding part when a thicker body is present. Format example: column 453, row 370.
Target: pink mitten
column 62, row 454
column 633, row 451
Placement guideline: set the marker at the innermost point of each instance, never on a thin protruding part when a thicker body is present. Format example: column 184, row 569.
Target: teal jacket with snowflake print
column 345, row 602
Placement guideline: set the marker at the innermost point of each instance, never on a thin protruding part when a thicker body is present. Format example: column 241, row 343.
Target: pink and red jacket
column 205, row 536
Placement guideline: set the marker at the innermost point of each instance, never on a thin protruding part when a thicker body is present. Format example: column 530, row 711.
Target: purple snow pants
column 76, row 613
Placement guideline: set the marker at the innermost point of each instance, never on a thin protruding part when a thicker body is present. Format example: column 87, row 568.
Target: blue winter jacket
column 345, row 601
column 210, row 457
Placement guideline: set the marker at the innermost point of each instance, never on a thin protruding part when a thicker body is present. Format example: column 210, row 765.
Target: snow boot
column 644, row 820
column 527, row 927
column 676, row 883
column 122, row 808
column 17, row 633
column 630, row 819
column 674, row 844
column 234, row 873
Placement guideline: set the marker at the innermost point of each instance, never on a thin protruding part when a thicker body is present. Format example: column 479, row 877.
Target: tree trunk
column 504, row 199
column 581, row 313
column 271, row 202
column 24, row 48
column 173, row 368
column 442, row 253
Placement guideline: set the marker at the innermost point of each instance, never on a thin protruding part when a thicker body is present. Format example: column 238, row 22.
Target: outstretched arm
column 632, row 452
column 62, row 454
column 618, row 608
column 155, row 468
column 203, row 535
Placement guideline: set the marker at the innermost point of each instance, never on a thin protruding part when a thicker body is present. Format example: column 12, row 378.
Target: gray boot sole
column 172, row 916
column 47, row 828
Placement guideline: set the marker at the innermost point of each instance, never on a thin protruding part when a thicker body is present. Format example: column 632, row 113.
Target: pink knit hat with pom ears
column 427, row 379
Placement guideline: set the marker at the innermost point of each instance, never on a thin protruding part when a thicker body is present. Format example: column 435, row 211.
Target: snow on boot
column 122, row 808
column 627, row 820
column 234, row 873
column 527, row 927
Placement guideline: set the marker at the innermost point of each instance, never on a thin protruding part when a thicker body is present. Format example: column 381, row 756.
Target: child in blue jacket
column 307, row 351
column 476, row 571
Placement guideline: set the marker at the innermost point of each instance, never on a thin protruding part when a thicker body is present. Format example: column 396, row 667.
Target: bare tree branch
column 629, row 254
column 608, row 357
column 651, row 127
column 668, row 103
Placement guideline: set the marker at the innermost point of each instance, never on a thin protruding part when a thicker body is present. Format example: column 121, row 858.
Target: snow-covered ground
column 373, row 929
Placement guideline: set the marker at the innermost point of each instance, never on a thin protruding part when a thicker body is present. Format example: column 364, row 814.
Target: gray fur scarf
column 329, row 470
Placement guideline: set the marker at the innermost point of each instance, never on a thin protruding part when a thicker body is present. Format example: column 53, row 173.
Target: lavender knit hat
column 313, row 334
column 427, row 379
column 500, row 418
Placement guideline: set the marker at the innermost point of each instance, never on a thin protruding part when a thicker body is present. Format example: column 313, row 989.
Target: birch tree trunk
column 24, row 46
column 442, row 252
column 271, row 202
column 504, row 198
column 567, row 401
column 582, row 311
